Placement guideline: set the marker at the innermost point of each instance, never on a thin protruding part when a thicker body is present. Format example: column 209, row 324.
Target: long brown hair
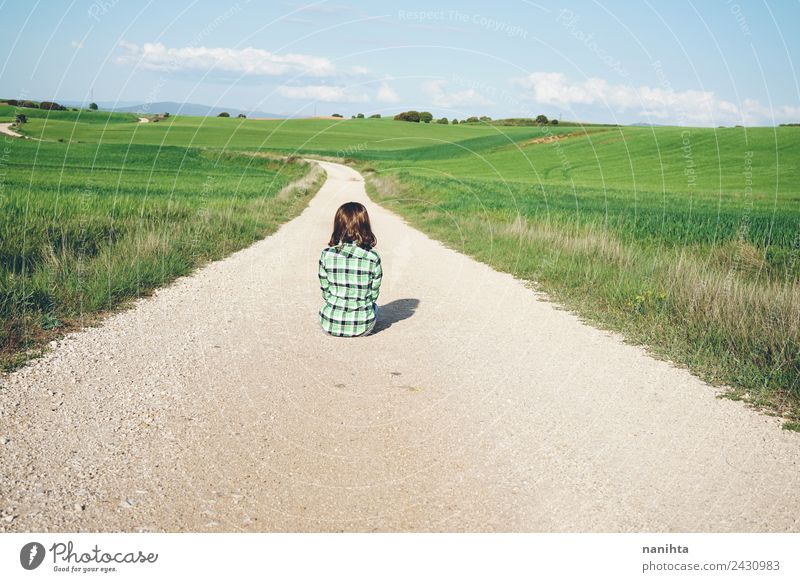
column 351, row 225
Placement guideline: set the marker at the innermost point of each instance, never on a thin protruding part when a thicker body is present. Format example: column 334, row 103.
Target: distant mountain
column 192, row 109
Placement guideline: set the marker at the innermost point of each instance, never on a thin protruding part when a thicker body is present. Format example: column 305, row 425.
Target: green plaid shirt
column 350, row 279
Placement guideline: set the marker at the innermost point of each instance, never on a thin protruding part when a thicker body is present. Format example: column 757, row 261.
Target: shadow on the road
column 393, row 312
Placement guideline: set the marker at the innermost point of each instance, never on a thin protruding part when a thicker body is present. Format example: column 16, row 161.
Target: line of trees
column 415, row 116
column 48, row 105
column 425, row 117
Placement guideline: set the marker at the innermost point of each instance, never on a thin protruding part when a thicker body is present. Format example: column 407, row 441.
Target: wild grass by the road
column 694, row 287
column 86, row 227
column 685, row 239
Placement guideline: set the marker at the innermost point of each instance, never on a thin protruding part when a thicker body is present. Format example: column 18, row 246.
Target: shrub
column 93, row 106
column 442, row 121
column 13, row 102
column 339, row 115
column 165, row 114
column 29, row 104
column 375, row 116
column 224, row 114
column 241, row 116
column 425, row 116
column 51, row 106
column 412, row 116
column 554, row 122
column 21, row 118
column 541, row 119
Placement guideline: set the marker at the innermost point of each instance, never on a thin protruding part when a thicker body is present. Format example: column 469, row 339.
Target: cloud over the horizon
column 386, row 94
column 326, row 93
column 246, row 61
column 440, row 96
column 658, row 103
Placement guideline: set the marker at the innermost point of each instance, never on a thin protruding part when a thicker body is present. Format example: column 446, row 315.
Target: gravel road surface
column 219, row 405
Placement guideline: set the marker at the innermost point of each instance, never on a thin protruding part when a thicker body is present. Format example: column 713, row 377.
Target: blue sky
column 679, row 62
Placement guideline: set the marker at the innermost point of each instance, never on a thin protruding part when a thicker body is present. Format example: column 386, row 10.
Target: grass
column 8, row 113
column 86, row 227
column 703, row 266
column 684, row 239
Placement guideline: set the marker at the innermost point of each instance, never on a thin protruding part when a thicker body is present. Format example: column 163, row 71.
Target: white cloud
column 246, row 61
column 441, row 97
column 327, row 93
column 386, row 94
column 660, row 103
column 76, row 44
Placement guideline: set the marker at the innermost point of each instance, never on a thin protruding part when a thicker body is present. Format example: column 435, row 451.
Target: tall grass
column 87, row 227
column 695, row 288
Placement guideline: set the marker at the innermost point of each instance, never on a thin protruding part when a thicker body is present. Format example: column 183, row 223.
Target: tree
column 360, row 116
column 165, row 114
column 455, row 121
column 13, row 102
column 442, row 121
column 93, row 106
column 412, row 116
column 242, row 116
column 375, row 116
column 472, row 119
column 425, row 116
column 51, row 106
column 485, row 118
column 21, row 118
column 541, row 119
column 554, row 122
column 224, row 114
column 337, row 115
column 29, row 104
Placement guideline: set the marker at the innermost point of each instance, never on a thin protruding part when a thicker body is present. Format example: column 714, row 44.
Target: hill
column 684, row 239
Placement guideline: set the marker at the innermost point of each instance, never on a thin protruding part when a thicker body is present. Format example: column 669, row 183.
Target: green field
column 322, row 136
column 687, row 240
column 85, row 227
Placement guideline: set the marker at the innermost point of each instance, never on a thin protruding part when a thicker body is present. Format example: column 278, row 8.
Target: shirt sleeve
column 375, row 284
column 324, row 284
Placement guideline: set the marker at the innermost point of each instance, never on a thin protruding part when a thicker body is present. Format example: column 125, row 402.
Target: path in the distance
column 218, row 404
column 5, row 128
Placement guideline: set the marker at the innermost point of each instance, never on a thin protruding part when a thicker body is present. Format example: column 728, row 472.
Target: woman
column 350, row 275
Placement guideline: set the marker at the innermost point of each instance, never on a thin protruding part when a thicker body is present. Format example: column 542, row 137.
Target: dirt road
column 5, row 128
column 218, row 405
